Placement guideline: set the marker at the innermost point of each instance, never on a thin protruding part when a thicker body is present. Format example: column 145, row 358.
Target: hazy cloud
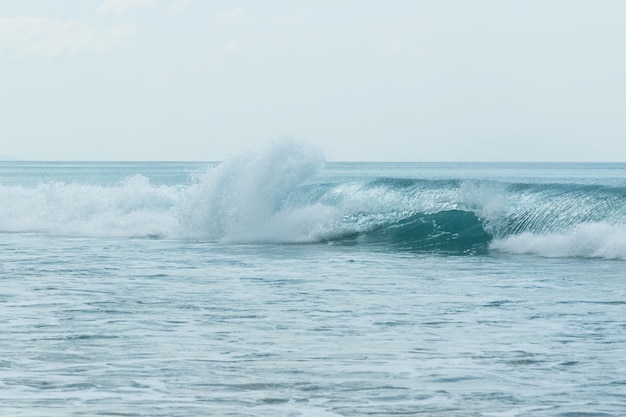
column 179, row 6
column 302, row 14
column 232, row 46
column 393, row 48
column 228, row 16
column 122, row 6
column 41, row 36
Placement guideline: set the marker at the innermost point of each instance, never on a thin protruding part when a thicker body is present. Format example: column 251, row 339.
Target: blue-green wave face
column 451, row 231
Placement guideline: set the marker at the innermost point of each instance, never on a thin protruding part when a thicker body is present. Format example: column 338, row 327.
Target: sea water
column 275, row 284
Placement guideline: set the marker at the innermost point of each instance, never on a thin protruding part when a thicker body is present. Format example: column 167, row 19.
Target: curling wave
column 451, row 231
column 281, row 195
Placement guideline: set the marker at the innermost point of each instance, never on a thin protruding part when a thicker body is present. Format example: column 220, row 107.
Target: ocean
column 279, row 284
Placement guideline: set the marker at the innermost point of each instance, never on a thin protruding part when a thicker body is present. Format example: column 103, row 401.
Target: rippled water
column 169, row 328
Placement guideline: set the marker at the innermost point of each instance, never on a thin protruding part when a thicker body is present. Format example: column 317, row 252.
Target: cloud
column 232, row 46
column 393, row 48
column 178, row 6
column 122, row 6
column 41, row 36
column 302, row 14
column 228, row 16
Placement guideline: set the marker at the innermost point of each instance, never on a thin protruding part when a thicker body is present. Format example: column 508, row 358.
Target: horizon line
column 11, row 159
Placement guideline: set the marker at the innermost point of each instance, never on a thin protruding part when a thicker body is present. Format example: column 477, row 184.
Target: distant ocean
column 275, row 284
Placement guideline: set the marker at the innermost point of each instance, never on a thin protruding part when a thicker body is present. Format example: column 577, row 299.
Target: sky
column 445, row 80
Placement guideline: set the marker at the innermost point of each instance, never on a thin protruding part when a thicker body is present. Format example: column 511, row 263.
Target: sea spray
column 244, row 199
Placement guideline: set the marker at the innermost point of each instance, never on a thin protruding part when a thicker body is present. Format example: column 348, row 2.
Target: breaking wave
column 280, row 195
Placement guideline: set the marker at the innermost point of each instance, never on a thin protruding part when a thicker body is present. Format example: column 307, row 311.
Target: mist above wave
column 245, row 199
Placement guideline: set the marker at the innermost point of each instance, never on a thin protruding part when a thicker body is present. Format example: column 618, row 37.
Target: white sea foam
column 132, row 208
column 589, row 240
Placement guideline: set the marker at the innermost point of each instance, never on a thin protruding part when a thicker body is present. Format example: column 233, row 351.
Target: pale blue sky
column 527, row 80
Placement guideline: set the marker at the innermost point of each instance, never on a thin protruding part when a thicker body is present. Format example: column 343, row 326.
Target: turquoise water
column 276, row 285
